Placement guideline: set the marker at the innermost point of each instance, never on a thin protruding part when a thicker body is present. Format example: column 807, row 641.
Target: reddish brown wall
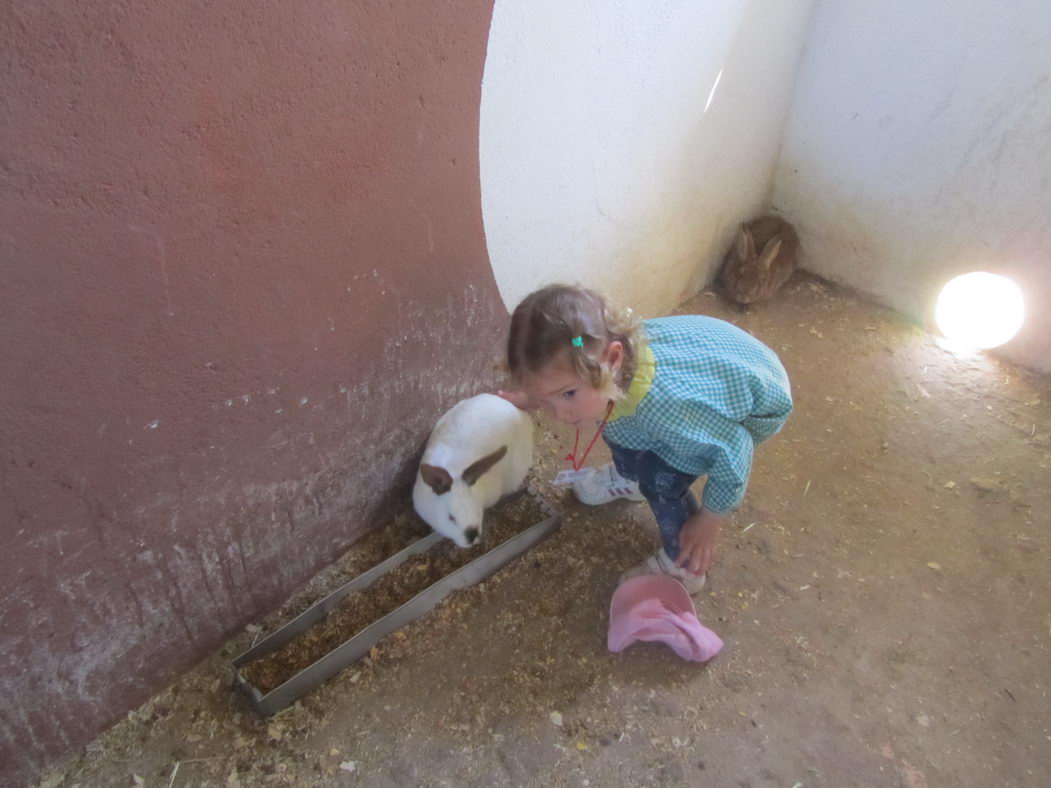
column 243, row 271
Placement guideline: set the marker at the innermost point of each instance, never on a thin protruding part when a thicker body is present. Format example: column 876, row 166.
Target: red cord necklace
column 572, row 456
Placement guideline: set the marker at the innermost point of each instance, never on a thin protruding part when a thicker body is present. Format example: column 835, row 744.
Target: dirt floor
column 883, row 594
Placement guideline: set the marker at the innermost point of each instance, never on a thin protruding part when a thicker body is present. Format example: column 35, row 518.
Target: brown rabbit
column 749, row 277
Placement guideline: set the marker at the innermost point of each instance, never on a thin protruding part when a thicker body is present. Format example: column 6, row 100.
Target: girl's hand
column 697, row 541
column 519, row 399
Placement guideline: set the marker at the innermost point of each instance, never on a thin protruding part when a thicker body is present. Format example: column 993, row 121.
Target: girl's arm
column 731, row 465
column 723, row 492
column 698, row 539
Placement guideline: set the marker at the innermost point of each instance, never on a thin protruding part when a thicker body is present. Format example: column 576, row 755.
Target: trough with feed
column 331, row 635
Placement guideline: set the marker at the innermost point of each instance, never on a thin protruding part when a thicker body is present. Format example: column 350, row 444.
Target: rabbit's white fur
column 470, row 438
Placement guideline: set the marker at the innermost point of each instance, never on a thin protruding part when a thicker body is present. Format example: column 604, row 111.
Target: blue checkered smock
column 704, row 393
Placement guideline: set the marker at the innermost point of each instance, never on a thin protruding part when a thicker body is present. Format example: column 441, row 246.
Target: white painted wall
column 602, row 159
column 919, row 147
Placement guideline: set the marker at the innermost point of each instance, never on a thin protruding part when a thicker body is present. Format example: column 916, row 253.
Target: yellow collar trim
column 645, row 369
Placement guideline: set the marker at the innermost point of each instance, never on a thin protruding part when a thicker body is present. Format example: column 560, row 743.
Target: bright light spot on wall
column 980, row 310
column 711, row 95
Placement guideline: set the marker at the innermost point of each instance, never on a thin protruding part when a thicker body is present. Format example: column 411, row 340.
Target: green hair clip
column 578, row 342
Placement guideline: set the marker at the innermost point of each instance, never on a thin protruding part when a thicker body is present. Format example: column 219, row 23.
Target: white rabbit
column 479, row 451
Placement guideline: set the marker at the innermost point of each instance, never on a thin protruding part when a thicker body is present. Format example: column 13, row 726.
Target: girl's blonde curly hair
column 545, row 328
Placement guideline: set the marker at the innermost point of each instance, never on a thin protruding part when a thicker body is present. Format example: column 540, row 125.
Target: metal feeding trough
column 358, row 645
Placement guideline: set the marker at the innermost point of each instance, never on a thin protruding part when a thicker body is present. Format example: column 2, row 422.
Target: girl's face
column 567, row 398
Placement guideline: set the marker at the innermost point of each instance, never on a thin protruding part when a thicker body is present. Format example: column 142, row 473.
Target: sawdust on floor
column 882, row 593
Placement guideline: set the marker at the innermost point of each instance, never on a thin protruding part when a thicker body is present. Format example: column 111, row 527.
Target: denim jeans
column 667, row 491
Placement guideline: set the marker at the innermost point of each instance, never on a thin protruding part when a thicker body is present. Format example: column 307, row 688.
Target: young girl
column 686, row 397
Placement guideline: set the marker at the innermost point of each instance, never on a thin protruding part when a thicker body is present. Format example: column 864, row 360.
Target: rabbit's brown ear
column 476, row 469
column 438, row 479
column 773, row 246
column 745, row 244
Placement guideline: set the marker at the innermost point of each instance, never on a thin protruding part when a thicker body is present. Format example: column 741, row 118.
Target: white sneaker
column 603, row 485
column 660, row 564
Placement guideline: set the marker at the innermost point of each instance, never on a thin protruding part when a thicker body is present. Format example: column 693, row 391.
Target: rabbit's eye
column 452, row 519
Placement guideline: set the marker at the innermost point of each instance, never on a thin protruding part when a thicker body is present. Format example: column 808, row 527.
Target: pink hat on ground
column 657, row 608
